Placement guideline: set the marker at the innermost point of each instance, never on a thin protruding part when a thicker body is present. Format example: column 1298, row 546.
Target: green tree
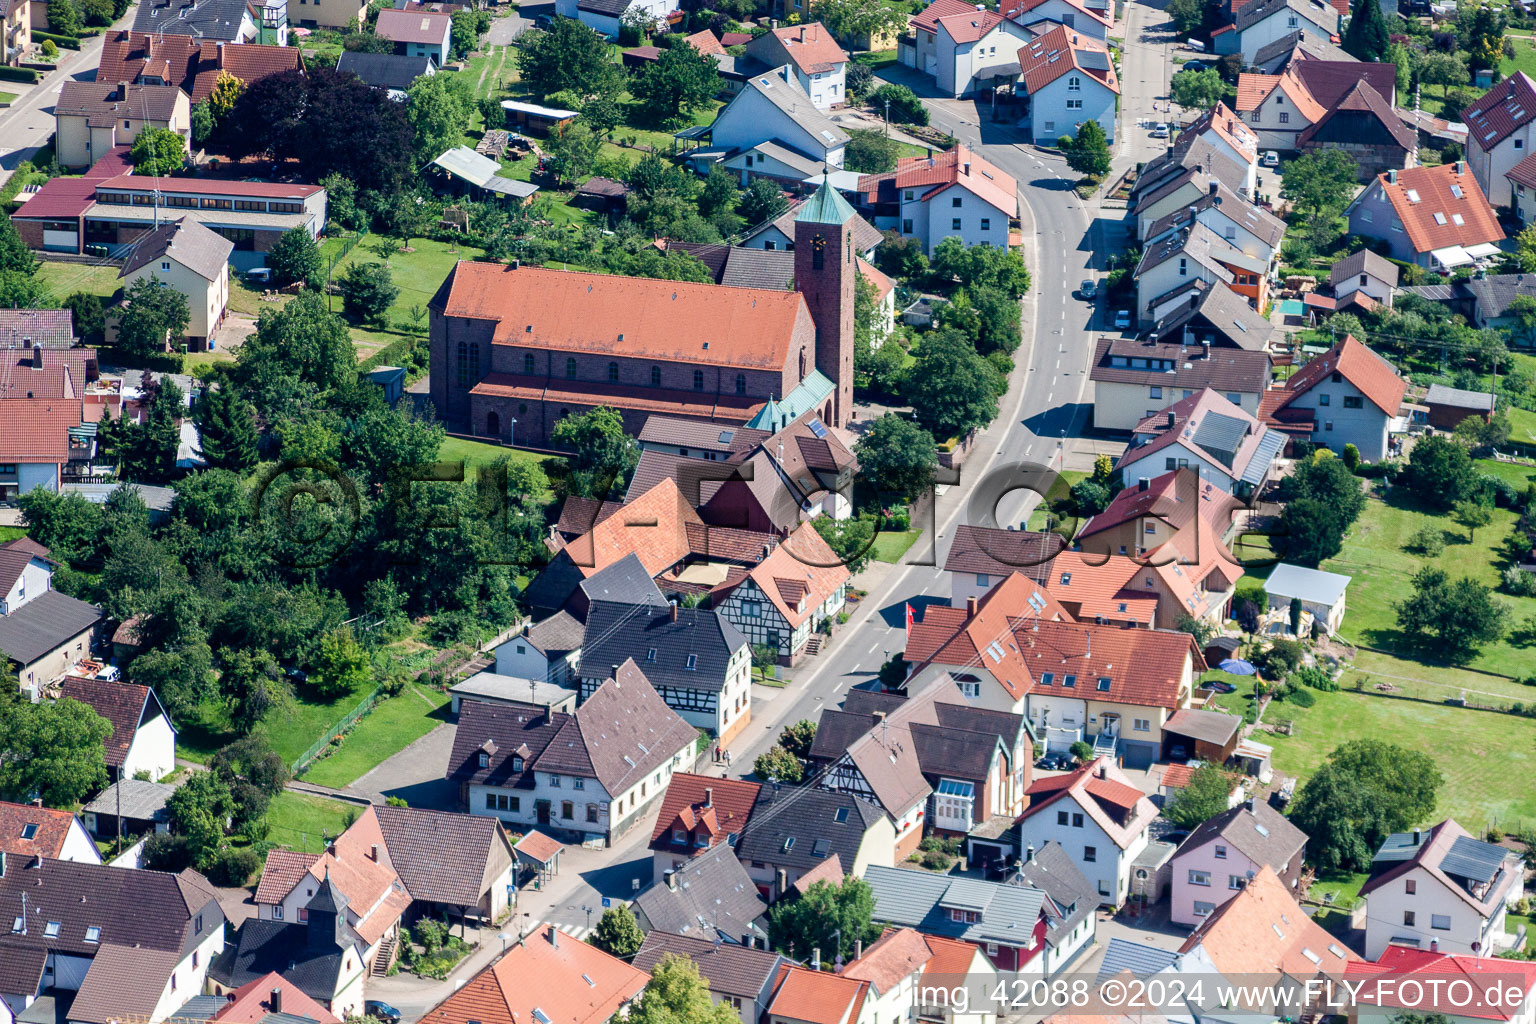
column 869, row 151
column 1480, row 31
column 341, row 202
column 798, row 737
column 226, row 425
column 1440, row 472
column 1367, row 37
column 1473, row 513
column 1088, row 151
column 1365, row 791
column 180, row 678
column 720, row 193
column 1522, row 309
column 1197, row 90
column 572, row 151
column 831, row 918
column 899, row 103
column 252, row 687
column 466, row 32
column 778, row 764
column 301, row 343
column 15, row 257
column 856, row 22
column 1453, row 618
column 762, row 202
column 55, row 750
column 146, row 451
column 295, row 257
column 1442, row 69
column 569, row 56
column 199, row 810
column 851, row 540
column 224, row 95
column 1313, row 530
column 367, row 292
column 618, row 932
column 1188, row 15
column 342, row 666
column 63, row 18
column 1318, row 186
column 438, row 108
column 676, row 994
column 599, row 446
column 980, row 266
column 1401, row 58
column 952, row 389
column 157, row 151
column 674, row 85
column 89, row 318
column 898, row 457
column 151, row 315
column 1204, row 797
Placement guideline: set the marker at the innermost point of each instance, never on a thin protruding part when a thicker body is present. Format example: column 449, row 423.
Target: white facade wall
column 1110, row 868
column 1058, row 109
column 518, row 657
column 1155, row 465
column 750, row 119
column 1178, row 199
column 1490, row 165
column 958, row 62
column 975, row 221
column 521, row 810
column 153, row 750
column 1277, row 122
column 1066, row 14
column 188, row 978
column 1342, row 415
column 35, row 579
column 206, row 299
column 1393, row 912
column 1165, row 277
column 1373, row 286
column 1281, row 23
column 1119, row 406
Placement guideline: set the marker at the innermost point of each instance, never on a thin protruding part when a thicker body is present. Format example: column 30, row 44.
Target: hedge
column 67, row 42
column 27, row 75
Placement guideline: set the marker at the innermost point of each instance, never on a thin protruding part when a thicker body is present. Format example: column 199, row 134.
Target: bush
column 905, row 107
column 233, row 868
column 1316, row 678
column 367, row 292
column 1300, row 697
column 1283, row 657
column 1428, row 541
column 18, row 74
column 1081, row 751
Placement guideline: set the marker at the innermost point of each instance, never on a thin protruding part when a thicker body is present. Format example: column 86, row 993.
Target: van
column 1194, row 44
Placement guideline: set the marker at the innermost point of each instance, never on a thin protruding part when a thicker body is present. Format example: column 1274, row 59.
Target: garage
column 1137, row 753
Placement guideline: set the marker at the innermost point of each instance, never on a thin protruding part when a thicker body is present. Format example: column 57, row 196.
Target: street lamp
column 512, row 434
column 588, row 911
column 504, row 937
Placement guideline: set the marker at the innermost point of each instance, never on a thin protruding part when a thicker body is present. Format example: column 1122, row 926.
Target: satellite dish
column 1477, row 947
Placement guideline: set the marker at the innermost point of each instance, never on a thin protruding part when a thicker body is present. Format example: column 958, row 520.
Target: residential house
column 191, row 63
column 962, row 47
column 458, row 863
column 143, row 740
column 787, row 596
column 1191, row 575
column 217, row 21
column 882, row 319
column 1223, row 129
column 90, row 118
column 1521, row 180
column 697, row 661
column 1196, row 252
column 1288, row 110
column 30, row 372
column 48, row 329
column 189, row 258
column 1068, row 78
column 691, row 439
column 371, row 899
column 1440, row 889
column 697, row 814
column 982, row 558
column 1092, row 18
column 392, row 72
column 1074, row 918
column 417, row 33
column 129, row 807
column 1225, row 443
column 1220, row 857
column 1253, row 229
column 595, row 773
column 546, row 976
column 803, row 836
column 546, row 651
column 1448, row 406
column 809, row 50
column 1182, row 177
column 976, row 761
column 809, row 995
column 1364, row 125
column 29, row 830
column 912, row 975
column 954, row 194
column 1347, row 395
column 1489, row 989
column 1204, row 314
column 329, row 14
column 1263, row 934
column 125, row 943
column 269, row 996
column 1484, row 301
column 1152, row 512
column 1135, row 380
column 1097, row 816
column 41, row 439
column 43, row 632
column 1365, row 273
column 1500, row 135
column 1262, row 22
column 1436, row 217
column 742, row 976
column 316, row 947
column 15, row 31
column 494, row 688
column 1298, row 45
column 1321, row 593
column 774, row 110
column 711, row 897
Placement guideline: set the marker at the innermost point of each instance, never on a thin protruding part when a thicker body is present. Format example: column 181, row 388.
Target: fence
column 351, row 718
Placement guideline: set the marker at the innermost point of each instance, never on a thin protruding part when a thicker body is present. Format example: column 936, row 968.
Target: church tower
column 825, row 270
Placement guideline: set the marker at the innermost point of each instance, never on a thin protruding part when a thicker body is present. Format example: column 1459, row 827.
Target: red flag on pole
column 910, row 618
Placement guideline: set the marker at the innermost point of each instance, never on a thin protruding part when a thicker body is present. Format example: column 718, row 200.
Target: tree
column 898, row 457
column 341, row 203
column 1197, row 90
column 295, row 257
column 299, row 343
column 151, row 315
column 870, row 152
column 146, row 451
column 158, row 151
column 67, row 524
column 1367, row 37
column 1401, row 58
column 674, row 85
column 719, row 193
column 181, row 678
column 851, row 540
column 1480, row 31
column 676, row 994
column 1442, row 69
column 980, row 266
column 1313, row 530
column 953, row 390
column 571, row 152
column 200, row 810
column 342, row 666
column 569, row 56
column 798, row 737
column 15, row 257
column 1318, row 185
column 599, row 446
column 226, row 425
column 63, row 18
column 367, row 292
column 618, row 932
column 55, row 750
column 1188, row 15
column 1088, row 151
column 899, row 104
column 780, row 765
column 466, row 33
column 858, row 21
column 89, row 318
column 1089, row 497
column 831, row 918
column 1203, row 797
column 762, row 202
column 1440, row 472
column 439, row 109
column 1472, row 513
column 1453, row 618
column 252, row 686
column 224, row 95
column 1364, row 792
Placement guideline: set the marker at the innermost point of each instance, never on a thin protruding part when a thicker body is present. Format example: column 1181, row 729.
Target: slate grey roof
column 443, row 856
column 921, row 900
column 1494, row 293
column 44, row 623
column 212, row 20
column 1320, row 14
column 806, row 821
column 101, row 103
column 199, row 249
column 1365, row 262
column 1053, row 871
column 1474, row 859
column 141, row 799
column 1459, row 398
column 1263, row 834
column 745, row 267
column 1212, row 726
column 1140, row 959
column 625, row 581
column 716, row 437
column 1175, row 365
column 1272, row 57
column 559, row 633
column 1312, row 585
column 261, row 947
column 1224, row 312
column 662, row 647
column 710, row 893
column 384, row 70
column 728, row 969
column 514, row 688
column 782, row 89
column 1256, row 220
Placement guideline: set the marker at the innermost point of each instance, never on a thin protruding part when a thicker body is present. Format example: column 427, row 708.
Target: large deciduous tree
column 674, row 85
column 1365, row 791
column 677, row 995
column 1451, row 619
column 152, row 315
column 568, row 57
column 831, row 918
column 898, row 457
column 55, row 750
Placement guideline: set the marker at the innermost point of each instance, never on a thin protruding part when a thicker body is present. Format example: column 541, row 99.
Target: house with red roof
column 963, row 48
column 809, row 995
column 417, row 33
column 271, row 995
column 143, row 740
column 1485, row 988
column 1069, row 79
column 1098, row 816
column 697, row 814
column 191, row 64
column 1229, row 446
column 28, row 830
column 1314, row 104
column 816, row 58
column 1501, row 133
column 1347, row 395
column 1092, row 18
column 906, row 970
column 1436, row 217
column 1146, row 515
column 952, row 194
column 785, row 598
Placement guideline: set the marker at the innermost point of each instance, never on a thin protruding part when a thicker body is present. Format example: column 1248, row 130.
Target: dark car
column 1055, row 761
column 544, row 21
column 381, row 1011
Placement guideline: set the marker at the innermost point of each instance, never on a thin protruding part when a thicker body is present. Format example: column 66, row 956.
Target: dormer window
column 484, row 759
column 517, row 764
column 679, row 835
column 693, row 663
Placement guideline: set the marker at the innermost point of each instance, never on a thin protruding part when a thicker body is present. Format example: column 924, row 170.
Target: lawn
column 10, row 533
column 890, row 546
column 7, row 98
column 417, row 274
column 1513, row 474
column 64, row 279
column 478, row 453
column 1523, row 60
column 1522, row 424
column 389, row 728
column 1373, row 556
column 291, row 730
column 1061, row 489
column 300, row 821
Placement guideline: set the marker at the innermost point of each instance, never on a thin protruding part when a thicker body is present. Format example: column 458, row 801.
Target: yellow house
column 328, row 13
column 16, row 20
column 192, row 259
column 92, row 117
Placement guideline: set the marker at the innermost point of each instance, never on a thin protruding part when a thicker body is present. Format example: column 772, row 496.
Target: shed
column 1321, row 593
column 534, row 116
column 1205, row 735
column 492, row 688
column 139, row 802
column 540, row 854
column 478, row 175
column 602, row 194
column 1220, row 649
column 1151, row 872
column 1449, row 406
column 1255, row 759
column 391, row 380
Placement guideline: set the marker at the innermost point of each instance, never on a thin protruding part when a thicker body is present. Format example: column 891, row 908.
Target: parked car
column 1160, row 130
column 1090, row 289
column 1271, row 158
column 1193, row 65
column 1195, row 44
column 1122, row 320
column 1055, row 761
column 544, row 21
column 381, row 1011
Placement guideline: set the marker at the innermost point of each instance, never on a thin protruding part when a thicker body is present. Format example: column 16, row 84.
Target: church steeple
column 825, row 271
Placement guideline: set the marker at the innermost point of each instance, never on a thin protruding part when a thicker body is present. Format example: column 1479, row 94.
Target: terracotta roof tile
column 950, row 168
column 1370, row 373
column 810, row 46
column 1015, row 10
column 184, row 61
column 251, row 1003
column 705, row 42
column 49, row 828
column 817, row 997
column 969, row 27
column 1426, row 201
column 802, row 566
column 894, row 957
column 1485, row 983
column 654, row 527
column 1047, row 58
column 731, row 801
column 122, row 704
column 284, row 869
column 928, row 18
column 1121, row 818
column 1262, row 930
column 37, row 430
column 1144, row 666
column 1173, row 497
column 539, row 846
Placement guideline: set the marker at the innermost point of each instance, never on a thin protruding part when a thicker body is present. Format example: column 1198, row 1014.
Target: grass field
column 387, row 729
column 417, row 273
column 1061, row 489
column 300, row 821
column 889, row 547
column 1523, row 60
column 7, row 98
column 291, row 730
column 9, row 533
column 478, row 454
column 64, row 279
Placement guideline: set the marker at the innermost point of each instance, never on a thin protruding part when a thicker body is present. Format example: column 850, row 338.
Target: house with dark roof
column 812, row 54
column 1195, row 252
column 691, row 439
column 43, row 632
column 801, row 836
column 120, row 943
column 218, row 21
column 317, row 950
column 1182, row 177
column 1261, row 22
column 1347, row 395
column 191, row 63
column 143, row 740
column 912, row 975
column 594, row 774
column 772, row 128
column 1053, row 871
column 1501, row 134
column 545, row 652
column 1274, row 57
column 185, row 256
column 697, row 814
column 742, row 976
column 392, row 72
column 1219, row 858
column 90, row 118
column 1483, row 301
column 711, row 897
column 697, row 661
column 1097, row 815
column 966, row 49
column 1203, row 314
column 1366, row 273
column 981, row 558
column 48, row 329
column 1250, row 228
column 1440, row 889
column 1436, row 217
column 1228, row 445
column 417, row 33
column 1137, row 379
column 136, row 806
column 1448, row 406
column 29, row 830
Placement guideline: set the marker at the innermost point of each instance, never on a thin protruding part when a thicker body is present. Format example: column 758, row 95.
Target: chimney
column 1392, row 177
column 149, row 46
column 1101, row 771
column 275, row 999
column 122, row 92
column 554, row 936
column 802, row 33
column 1029, row 853
column 373, row 853
column 709, row 796
column 1418, row 837
column 671, row 877
column 1212, row 185
column 967, row 168
column 816, row 958
column 1173, row 419
column 783, row 881
column 672, row 605
column 37, row 801
column 1143, row 484
column 219, row 61
column 1434, row 945
column 1248, row 805
column 970, row 607
column 2, row 863
column 1461, row 167
column 858, row 948
column 37, row 357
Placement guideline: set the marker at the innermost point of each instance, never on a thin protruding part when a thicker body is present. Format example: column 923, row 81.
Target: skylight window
column 1457, row 219
column 93, row 933
column 1103, row 682
column 789, row 844
column 1439, row 218
column 51, row 929
column 840, row 815
column 1456, row 191
column 1413, row 195
column 693, row 662
column 29, row 830
column 1311, row 955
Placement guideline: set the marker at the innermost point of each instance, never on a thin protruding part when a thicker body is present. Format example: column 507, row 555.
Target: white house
column 1488, row 989
column 1501, row 132
column 789, row 594
column 1366, row 273
column 1222, row 128
column 1192, row 251
column 955, row 42
column 143, row 740
column 419, row 33
column 27, row 831
column 1321, row 593
column 1217, row 860
column 45, row 632
column 818, row 62
column 905, row 969
column 1347, row 395
column 193, row 260
column 1231, row 448
column 1069, row 78
column 91, row 118
column 549, row 650
column 1093, row 22
column 1249, row 228
column 1263, row 22
column 774, row 108
column 952, row 194
column 1097, row 816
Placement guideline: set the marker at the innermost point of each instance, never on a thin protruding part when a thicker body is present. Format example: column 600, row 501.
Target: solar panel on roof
column 1471, row 858
column 817, row 428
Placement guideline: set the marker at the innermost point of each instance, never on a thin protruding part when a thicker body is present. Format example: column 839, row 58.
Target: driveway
column 415, row 774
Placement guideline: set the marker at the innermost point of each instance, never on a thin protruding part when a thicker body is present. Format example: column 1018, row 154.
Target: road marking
column 1051, row 397
column 872, row 648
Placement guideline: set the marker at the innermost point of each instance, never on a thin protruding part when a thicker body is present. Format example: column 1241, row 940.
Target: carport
column 1193, row 734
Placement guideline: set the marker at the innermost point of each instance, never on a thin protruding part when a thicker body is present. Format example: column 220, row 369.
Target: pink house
column 1219, row 858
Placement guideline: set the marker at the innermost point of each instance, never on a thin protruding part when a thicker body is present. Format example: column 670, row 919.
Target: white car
column 1160, row 130
column 1122, row 320
column 1271, row 158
